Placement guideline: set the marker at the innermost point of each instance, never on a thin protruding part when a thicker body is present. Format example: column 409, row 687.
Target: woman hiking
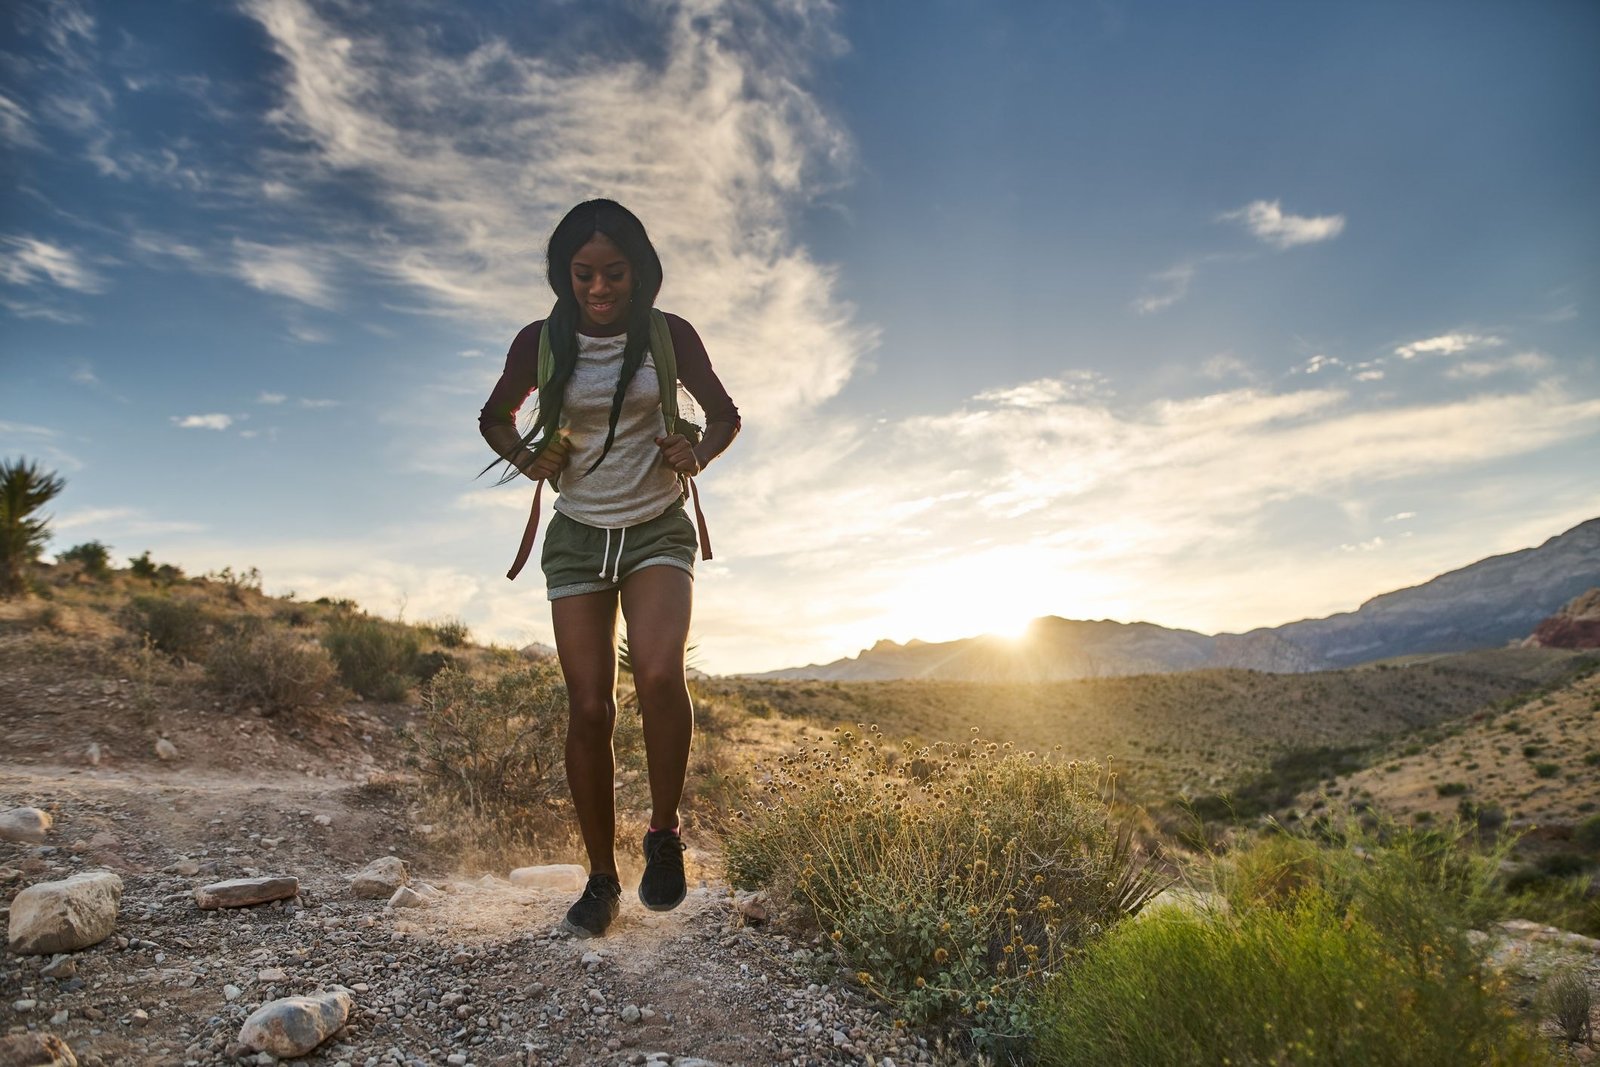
column 620, row 537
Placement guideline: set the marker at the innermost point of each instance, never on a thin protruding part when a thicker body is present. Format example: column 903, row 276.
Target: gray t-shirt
column 633, row 483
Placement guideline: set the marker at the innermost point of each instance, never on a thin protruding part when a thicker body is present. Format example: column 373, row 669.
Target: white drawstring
column 616, row 566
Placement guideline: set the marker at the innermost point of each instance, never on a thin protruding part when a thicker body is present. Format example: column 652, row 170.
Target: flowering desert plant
column 954, row 879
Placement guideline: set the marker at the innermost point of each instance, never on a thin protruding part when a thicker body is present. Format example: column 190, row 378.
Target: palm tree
column 24, row 489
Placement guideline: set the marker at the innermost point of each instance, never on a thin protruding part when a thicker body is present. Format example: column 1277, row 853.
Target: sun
column 945, row 603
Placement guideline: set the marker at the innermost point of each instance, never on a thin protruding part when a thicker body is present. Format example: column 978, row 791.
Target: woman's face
column 602, row 280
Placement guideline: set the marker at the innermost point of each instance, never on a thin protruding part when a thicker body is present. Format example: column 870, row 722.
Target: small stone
column 380, row 878
column 35, row 1050
column 231, row 992
column 25, row 826
column 104, row 839
column 593, row 959
column 23, row 1007
column 244, row 892
column 64, row 916
column 139, row 1017
column 166, row 751
column 456, row 1059
column 272, row 974
column 562, row 877
column 92, row 756
column 61, row 968
column 293, row 1026
column 60, row 1018
column 406, row 897
column 752, row 907
column 186, row 868
column 323, row 820
column 630, row 1013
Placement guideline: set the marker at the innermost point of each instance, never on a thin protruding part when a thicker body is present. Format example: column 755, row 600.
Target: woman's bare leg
column 656, row 602
column 586, row 642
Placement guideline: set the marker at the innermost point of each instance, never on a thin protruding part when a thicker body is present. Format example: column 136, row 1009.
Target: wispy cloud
column 215, row 421
column 472, row 157
column 1169, row 287
column 1448, row 344
column 119, row 521
column 1521, row 362
column 1268, row 222
column 31, row 261
column 271, row 398
column 16, row 126
column 297, row 273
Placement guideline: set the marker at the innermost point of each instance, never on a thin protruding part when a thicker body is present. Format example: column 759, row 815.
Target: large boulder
column 65, row 916
column 35, row 1050
column 25, row 826
column 293, row 1026
column 380, row 878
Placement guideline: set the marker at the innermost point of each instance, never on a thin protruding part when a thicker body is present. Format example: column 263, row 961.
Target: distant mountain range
column 1484, row 605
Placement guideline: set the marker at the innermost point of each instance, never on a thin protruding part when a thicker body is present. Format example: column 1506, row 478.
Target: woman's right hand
column 552, row 461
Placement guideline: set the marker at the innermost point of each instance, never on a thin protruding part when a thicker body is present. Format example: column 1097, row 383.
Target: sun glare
column 948, row 602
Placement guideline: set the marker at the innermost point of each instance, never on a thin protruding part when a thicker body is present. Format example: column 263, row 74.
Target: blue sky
column 1209, row 315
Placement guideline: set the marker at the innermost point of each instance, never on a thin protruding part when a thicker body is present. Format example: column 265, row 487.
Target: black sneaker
column 601, row 900
column 662, row 887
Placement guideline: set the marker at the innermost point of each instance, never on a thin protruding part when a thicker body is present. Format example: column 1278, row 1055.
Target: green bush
column 451, row 632
column 1451, row 789
column 93, row 557
column 1301, row 984
column 1546, row 770
column 377, row 659
column 180, row 628
column 952, row 880
column 143, row 566
column 494, row 746
column 270, row 668
column 1566, row 1000
column 1586, row 834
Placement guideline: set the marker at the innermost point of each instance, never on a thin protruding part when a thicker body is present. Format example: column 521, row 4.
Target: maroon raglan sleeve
column 694, row 371
column 497, row 422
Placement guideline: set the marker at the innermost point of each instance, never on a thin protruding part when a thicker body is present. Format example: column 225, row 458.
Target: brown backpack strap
column 528, row 534
column 700, row 521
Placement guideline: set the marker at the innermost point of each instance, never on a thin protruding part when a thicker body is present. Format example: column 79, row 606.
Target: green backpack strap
column 666, row 360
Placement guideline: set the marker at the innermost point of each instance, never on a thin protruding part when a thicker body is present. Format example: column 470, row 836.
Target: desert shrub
column 1546, row 770
column 269, row 668
column 376, row 658
column 1586, row 834
column 180, row 628
column 142, row 566
column 952, row 880
column 431, row 663
column 1563, row 864
column 1303, row 983
column 1451, row 789
column 451, row 632
column 494, row 745
column 236, row 583
column 1566, row 1000
column 92, row 556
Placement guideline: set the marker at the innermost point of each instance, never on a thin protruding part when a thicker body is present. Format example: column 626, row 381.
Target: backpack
column 666, row 363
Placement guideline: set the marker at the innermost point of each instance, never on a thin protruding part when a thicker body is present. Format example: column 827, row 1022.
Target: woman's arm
column 497, row 422
column 697, row 376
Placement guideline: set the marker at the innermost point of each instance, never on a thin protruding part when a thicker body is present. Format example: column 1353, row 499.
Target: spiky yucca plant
column 24, row 489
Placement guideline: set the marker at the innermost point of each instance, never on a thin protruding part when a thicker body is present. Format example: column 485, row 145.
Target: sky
column 1215, row 316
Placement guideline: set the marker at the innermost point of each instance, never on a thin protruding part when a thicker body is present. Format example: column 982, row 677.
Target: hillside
column 1177, row 734
column 1483, row 605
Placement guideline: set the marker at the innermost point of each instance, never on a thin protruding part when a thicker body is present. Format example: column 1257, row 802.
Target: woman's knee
column 591, row 714
column 658, row 681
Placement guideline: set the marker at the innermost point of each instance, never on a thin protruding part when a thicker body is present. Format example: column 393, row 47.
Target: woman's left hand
column 678, row 453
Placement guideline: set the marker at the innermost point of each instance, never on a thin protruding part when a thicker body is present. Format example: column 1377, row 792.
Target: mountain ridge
column 1484, row 604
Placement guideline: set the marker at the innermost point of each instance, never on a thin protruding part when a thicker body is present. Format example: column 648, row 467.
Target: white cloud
column 29, row 261
column 1522, row 362
column 1267, row 221
column 1172, row 285
column 270, row 398
column 1401, row 516
column 16, row 127
column 317, row 403
column 1319, row 363
column 120, row 522
column 1448, row 344
column 202, row 422
column 712, row 140
column 1225, row 365
column 297, row 273
column 84, row 374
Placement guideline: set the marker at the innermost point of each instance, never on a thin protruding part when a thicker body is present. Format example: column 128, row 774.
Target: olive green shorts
column 580, row 559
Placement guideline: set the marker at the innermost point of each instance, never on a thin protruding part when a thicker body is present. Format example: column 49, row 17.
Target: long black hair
column 575, row 230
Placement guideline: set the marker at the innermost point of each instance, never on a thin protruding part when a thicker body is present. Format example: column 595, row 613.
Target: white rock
column 231, row 992
column 25, row 826
column 323, row 820
column 380, row 878
column 61, row 968
column 565, row 877
column 630, row 1013
column 64, row 916
column 166, row 750
column 406, row 897
column 293, row 1026
column 93, row 754
column 23, row 1007
column 243, row 892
